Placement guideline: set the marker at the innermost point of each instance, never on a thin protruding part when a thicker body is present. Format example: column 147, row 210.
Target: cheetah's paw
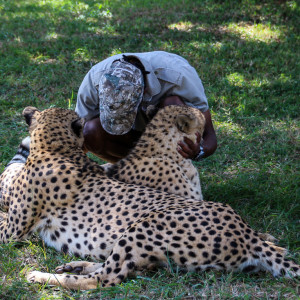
column 37, row 276
column 78, row 267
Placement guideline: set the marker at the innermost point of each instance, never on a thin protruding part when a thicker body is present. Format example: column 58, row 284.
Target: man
column 116, row 94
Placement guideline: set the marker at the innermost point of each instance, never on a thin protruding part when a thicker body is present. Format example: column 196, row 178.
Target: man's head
column 121, row 91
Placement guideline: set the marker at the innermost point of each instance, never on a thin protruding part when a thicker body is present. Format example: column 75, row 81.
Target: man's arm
column 209, row 136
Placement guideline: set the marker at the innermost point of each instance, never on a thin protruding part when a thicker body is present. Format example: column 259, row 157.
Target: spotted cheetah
column 76, row 208
column 155, row 161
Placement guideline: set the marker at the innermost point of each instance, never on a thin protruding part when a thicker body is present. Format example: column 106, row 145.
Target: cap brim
column 119, row 125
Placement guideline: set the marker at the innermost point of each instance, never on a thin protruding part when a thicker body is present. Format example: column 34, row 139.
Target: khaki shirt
column 170, row 75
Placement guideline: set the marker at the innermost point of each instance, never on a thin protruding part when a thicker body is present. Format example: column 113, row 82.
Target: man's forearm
column 209, row 136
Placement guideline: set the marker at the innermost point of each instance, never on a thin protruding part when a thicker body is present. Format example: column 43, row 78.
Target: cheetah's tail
column 22, row 152
column 271, row 258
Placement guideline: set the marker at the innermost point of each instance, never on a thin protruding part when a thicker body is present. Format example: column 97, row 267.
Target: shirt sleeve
column 87, row 105
column 191, row 89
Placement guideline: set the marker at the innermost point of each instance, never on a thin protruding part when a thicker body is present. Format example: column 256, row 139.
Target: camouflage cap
column 120, row 91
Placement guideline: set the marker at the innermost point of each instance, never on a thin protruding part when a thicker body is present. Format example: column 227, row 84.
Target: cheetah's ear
column 30, row 114
column 151, row 111
column 77, row 126
column 186, row 123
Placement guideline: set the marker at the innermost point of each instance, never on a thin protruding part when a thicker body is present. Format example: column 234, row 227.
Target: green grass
column 247, row 55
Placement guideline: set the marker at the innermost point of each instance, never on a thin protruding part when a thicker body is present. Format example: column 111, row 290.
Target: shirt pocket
column 168, row 75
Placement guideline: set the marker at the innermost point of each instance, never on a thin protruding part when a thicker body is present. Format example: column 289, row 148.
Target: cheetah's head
column 189, row 123
column 54, row 128
column 185, row 120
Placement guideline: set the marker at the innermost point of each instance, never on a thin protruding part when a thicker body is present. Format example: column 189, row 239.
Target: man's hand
column 189, row 149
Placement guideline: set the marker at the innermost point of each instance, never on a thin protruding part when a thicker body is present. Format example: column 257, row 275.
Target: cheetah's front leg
column 11, row 228
column 3, row 226
column 74, row 282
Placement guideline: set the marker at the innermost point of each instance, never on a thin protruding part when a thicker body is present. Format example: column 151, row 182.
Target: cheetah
column 75, row 207
column 155, row 161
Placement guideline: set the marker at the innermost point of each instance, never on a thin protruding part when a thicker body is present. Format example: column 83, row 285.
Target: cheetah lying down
column 76, row 208
column 155, row 161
